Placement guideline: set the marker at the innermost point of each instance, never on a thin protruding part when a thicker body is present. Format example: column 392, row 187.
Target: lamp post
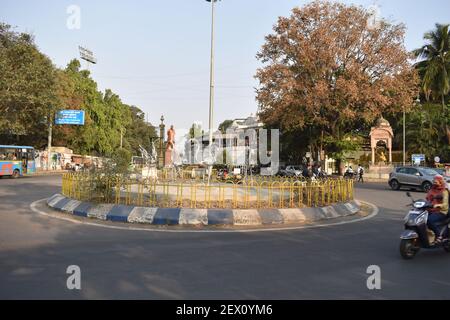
column 121, row 137
column 211, row 78
column 404, row 136
column 161, row 160
column 211, row 87
column 416, row 102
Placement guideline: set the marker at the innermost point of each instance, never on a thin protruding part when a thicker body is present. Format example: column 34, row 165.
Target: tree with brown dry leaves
column 329, row 74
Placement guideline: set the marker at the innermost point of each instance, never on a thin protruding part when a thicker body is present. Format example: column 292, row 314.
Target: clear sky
column 155, row 53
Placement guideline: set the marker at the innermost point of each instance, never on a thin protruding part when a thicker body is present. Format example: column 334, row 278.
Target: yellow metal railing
column 254, row 193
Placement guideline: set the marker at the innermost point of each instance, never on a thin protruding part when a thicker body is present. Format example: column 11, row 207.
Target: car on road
column 283, row 173
column 290, row 171
column 412, row 177
column 442, row 172
column 294, row 171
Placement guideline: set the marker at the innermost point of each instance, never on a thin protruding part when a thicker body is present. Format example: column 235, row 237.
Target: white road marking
column 34, row 208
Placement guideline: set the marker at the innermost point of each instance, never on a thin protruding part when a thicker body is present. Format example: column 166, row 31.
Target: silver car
column 294, row 170
column 412, row 177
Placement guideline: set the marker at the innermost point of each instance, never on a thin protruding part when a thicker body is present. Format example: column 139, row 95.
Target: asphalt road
column 319, row 263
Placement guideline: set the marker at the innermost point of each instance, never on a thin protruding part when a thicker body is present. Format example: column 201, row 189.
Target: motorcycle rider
column 307, row 172
column 438, row 196
column 349, row 172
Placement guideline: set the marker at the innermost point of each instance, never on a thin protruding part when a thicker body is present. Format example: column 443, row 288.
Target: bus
column 16, row 161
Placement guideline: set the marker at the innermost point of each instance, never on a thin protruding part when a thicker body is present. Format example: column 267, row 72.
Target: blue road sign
column 74, row 117
column 418, row 158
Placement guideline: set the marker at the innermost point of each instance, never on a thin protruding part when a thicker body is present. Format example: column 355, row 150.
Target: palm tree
column 434, row 69
column 425, row 132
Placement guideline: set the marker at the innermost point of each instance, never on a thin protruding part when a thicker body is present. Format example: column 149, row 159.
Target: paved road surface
column 318, row 263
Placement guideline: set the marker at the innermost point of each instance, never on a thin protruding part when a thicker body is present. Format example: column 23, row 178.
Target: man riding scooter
column 438, row 196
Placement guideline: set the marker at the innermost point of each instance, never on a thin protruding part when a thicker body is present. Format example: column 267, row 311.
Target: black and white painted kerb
column 185, row 216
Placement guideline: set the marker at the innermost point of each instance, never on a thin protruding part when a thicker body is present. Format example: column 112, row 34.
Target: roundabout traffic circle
column 190, row 205
column 365, row 211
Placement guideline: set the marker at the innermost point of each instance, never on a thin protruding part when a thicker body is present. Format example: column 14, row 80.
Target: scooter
column 417, row 235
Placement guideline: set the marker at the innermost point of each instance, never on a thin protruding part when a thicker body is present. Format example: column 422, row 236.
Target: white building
column 238, row 146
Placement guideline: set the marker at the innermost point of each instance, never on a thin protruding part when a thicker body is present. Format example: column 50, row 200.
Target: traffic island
column 255, row 202
column 202, row 217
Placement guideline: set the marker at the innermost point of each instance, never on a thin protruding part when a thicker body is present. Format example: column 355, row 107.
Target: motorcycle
column 349, row 174
column 322, row 175
column 417, row 235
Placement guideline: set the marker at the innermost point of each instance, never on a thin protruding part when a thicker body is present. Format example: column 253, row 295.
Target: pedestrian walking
column 54, row 161
column 360, row 174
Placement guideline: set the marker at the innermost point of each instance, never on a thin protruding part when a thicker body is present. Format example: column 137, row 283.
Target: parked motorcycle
column 417, row 235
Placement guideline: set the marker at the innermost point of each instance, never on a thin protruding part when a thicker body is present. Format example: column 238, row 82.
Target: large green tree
column 425, row 133
column 28, row 85
column 94, row 136
column 108, row 119
column 32, row 90
column 434, row 68
column 139, row 132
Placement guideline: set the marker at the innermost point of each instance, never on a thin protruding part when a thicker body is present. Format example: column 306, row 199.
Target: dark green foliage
column 27, row 86
column 121, row 159
column 139, row 132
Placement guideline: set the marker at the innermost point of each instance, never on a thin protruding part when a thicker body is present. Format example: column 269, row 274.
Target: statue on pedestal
column 383, row 158
column 170, row 146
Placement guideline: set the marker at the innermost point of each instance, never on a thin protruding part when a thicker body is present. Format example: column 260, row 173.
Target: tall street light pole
column 49, row 141
column 211, row 79
column 404, row 136
column 211, row 89
column 416, row 103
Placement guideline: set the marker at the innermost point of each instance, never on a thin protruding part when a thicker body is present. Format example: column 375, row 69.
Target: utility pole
column 121, row 137
column 416, row 103
column 211, row 79
column 49, row 141
column 161, row 157
column 404, row 137
column 211, row 89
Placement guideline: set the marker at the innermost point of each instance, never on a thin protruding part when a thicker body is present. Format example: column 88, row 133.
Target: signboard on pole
column 87, row 55
column 72, row 117
column 417, row 159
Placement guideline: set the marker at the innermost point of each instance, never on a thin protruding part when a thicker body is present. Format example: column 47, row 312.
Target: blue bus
column 16, row 161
